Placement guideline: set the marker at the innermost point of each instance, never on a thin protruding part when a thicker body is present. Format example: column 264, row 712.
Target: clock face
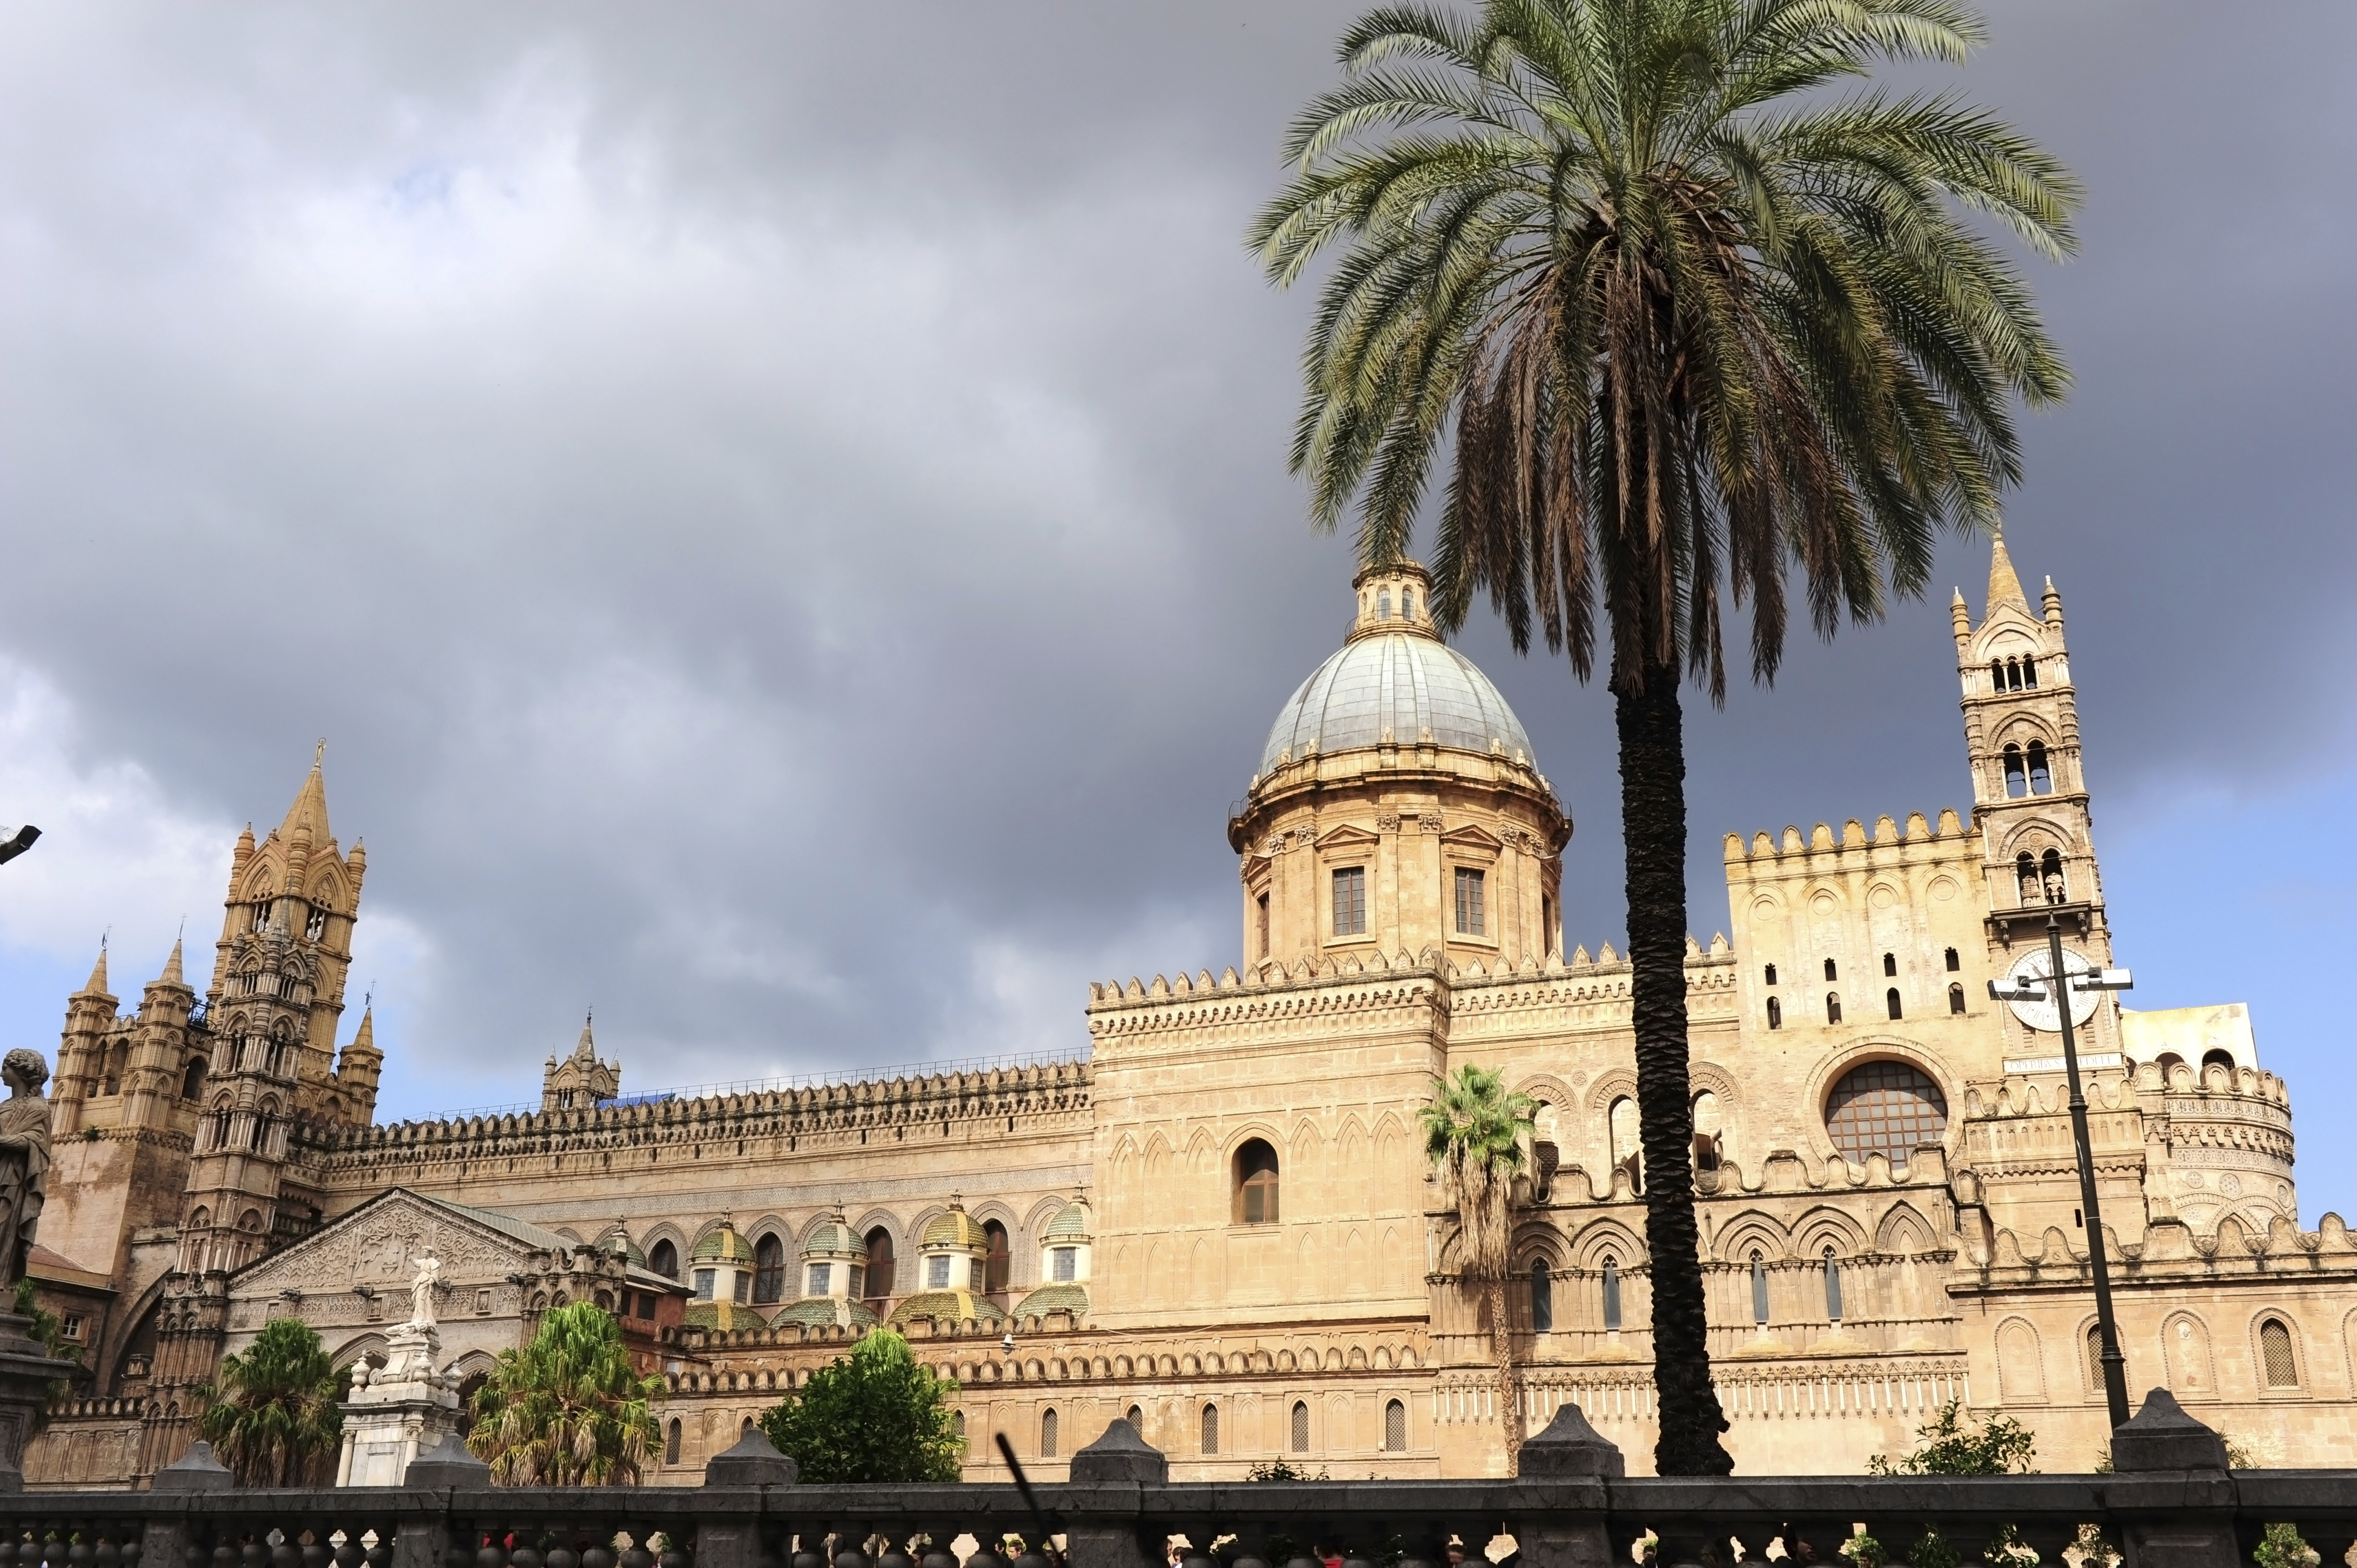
column 2041, row 1014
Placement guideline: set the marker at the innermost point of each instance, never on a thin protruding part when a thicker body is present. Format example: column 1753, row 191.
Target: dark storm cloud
column 780, row 510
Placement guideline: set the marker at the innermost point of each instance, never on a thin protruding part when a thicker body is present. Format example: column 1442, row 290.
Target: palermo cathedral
column 1218, row 1223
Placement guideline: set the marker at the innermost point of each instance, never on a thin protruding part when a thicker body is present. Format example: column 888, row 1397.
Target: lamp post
column 2058, row 983
column 17, row 842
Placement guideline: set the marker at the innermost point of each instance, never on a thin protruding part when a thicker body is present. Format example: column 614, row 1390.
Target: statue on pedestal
column 421, row 1291
column 24, row 1160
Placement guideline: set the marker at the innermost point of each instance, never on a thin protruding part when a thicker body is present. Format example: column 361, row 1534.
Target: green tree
column 567, row 1410
column 881, row 1415
column 1473, row 1130
column 1952, row 1446
column 1688, row 313
column 272, row 1414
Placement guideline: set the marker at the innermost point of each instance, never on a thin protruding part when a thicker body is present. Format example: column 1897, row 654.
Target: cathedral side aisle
column 1220, row 1222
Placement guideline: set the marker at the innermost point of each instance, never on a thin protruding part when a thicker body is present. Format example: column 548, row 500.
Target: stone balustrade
column 2171, row 1503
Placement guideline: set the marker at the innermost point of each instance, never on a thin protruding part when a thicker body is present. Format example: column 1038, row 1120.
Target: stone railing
column 2171, row 1504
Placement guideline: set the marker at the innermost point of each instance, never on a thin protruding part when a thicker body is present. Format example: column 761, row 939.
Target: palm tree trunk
column 1502, row 1347
column 1654, row 829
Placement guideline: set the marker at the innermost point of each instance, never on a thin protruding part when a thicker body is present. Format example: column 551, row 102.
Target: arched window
column 2029, row 674
column 2025, row 872
column 193, row 1083
column 1775, row 1014
column 2041, row 778
column 1707, row 1128
column 1833, row 1288
column 1383, row 604
column 957, row 1423
column 1833, row 1007
column 2016, row 780
column 1889, row 963
column 1407, row 604
column 1759, row 1290
column 1255, row 1166
column 671, row 1444
column 1885, row 1108
column 221, row 1126
column 1210, row 1443
column 664, row 1261
column 1137, row 1420
column 1954, row 961
column 994, row 1261
column 1772, row 974
column 1832, row 971
column 1300, row 1432
column 880, row 1279
column 768, row 1270
column 1996, row 674
column 1955, row 999
column 1395, row 1427
column 1260, row 918
column 1612, row 1293
column 2050, row 872
column 2276, row 1357
column 1048, row 1434
column 2094, row 1355
column 1620, row 1123
column 1541, row 1297
column 1890, row 1001
column 2211, row 1059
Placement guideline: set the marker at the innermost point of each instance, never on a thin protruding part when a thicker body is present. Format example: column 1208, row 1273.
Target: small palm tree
column 1690, row 318
column 567, row 1410
column 1473, row 1130
column 272, row 1416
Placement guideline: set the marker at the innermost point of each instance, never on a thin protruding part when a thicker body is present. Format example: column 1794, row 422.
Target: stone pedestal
column 26, row 1370
column 403, row 1410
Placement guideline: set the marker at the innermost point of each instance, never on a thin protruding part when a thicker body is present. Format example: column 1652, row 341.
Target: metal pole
column 2115, row 1378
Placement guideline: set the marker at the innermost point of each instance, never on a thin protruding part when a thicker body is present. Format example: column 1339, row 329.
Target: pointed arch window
column 768, row 1270
column 664, row 1259
column 1395, row 1427
column 1138, row 1418
column 2029, row 674
column 1996, row 674
column 1759, row 1289
column 880, row 1268
column 1612, row 1293
column 2017, row 777
column 1210, row 1429
column 1541, row 1297
column 193, row 1083
column 2095, row 1356
column 2041, row 778
column 1048, row 1434
column 1300, row 1429
column 2050, row 875
column 996, row 1259
column 1955, row 999
column 2276, row 1357
column 1833, row 1288
column 1833, row 1006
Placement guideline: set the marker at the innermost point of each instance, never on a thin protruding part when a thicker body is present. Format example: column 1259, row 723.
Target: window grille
column 2275, row 1354
column 937, row 1273
column 2095, row 1356
column 1886, row 1108
column 670, row 1444
column 1300, row 1427
column 1047, row 1435
column 1395, row 1427
column 1064, row 1264
column 822, row 1278
column 1471, row 920
column 1210, row 1429
column 1351, row 901
column 703, row 1278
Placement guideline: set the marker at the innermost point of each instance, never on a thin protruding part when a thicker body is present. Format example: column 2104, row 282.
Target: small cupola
column 952, row 1271
column 1063, row 1266
column 720, row 1276
column 833, row 1266
column 1394, row 598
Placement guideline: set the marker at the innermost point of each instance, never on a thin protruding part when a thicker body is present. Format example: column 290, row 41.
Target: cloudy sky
column 779, row 514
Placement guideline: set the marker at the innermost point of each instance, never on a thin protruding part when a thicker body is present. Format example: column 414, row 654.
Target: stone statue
column 421, row 1291
column 24, row 1158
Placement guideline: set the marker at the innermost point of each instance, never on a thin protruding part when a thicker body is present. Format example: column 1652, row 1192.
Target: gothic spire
column 310, row 807
column 2005, row 588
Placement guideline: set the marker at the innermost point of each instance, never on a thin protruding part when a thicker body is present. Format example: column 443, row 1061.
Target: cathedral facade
column 1218, row 1223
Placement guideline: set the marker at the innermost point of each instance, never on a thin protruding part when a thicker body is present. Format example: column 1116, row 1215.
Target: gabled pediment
column 1471, row 836
column 378, row 1245
column 1347, row 837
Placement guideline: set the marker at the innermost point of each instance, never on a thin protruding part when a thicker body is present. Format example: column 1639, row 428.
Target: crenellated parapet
column 1823, row 851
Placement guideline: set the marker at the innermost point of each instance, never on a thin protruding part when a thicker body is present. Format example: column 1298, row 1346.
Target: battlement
column 1822, row 841
column 2169, row 1249
column 852, row 1106
column 1273, row 974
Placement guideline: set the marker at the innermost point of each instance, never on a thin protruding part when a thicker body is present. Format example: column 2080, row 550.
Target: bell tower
column 2029, row 789
column 277, row 995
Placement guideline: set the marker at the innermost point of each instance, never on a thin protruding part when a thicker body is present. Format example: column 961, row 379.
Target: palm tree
column 1473, row 1130
column 567, row 1410
column 1685, row 313
column 273, row 1415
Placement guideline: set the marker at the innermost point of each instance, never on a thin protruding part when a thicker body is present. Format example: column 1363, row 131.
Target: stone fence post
column 2171, row 1489
column 1104, row 1498
column 1564, row 1470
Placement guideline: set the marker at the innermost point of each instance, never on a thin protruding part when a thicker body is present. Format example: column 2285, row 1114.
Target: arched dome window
column 664, row 1259
column 880, row 1267
column 768, row 1270
column 1885, row 1108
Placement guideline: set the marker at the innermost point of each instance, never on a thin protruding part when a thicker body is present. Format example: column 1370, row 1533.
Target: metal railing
column 2171, row 1504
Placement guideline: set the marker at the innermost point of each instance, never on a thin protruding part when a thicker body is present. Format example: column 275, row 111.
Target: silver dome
column 1397, row 686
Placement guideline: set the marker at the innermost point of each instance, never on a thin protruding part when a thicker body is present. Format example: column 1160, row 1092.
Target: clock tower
column 2029, row 801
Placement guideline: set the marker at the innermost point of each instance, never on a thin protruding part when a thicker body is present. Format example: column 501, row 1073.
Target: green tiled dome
column 829, row 1238
column 955, row 1228
column 1066, row 1297
column 619, row 1241
column 1070, row 1225
column 720, row 1315
column 952, row 1305
column 818, row 1311
column 722, row 1245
